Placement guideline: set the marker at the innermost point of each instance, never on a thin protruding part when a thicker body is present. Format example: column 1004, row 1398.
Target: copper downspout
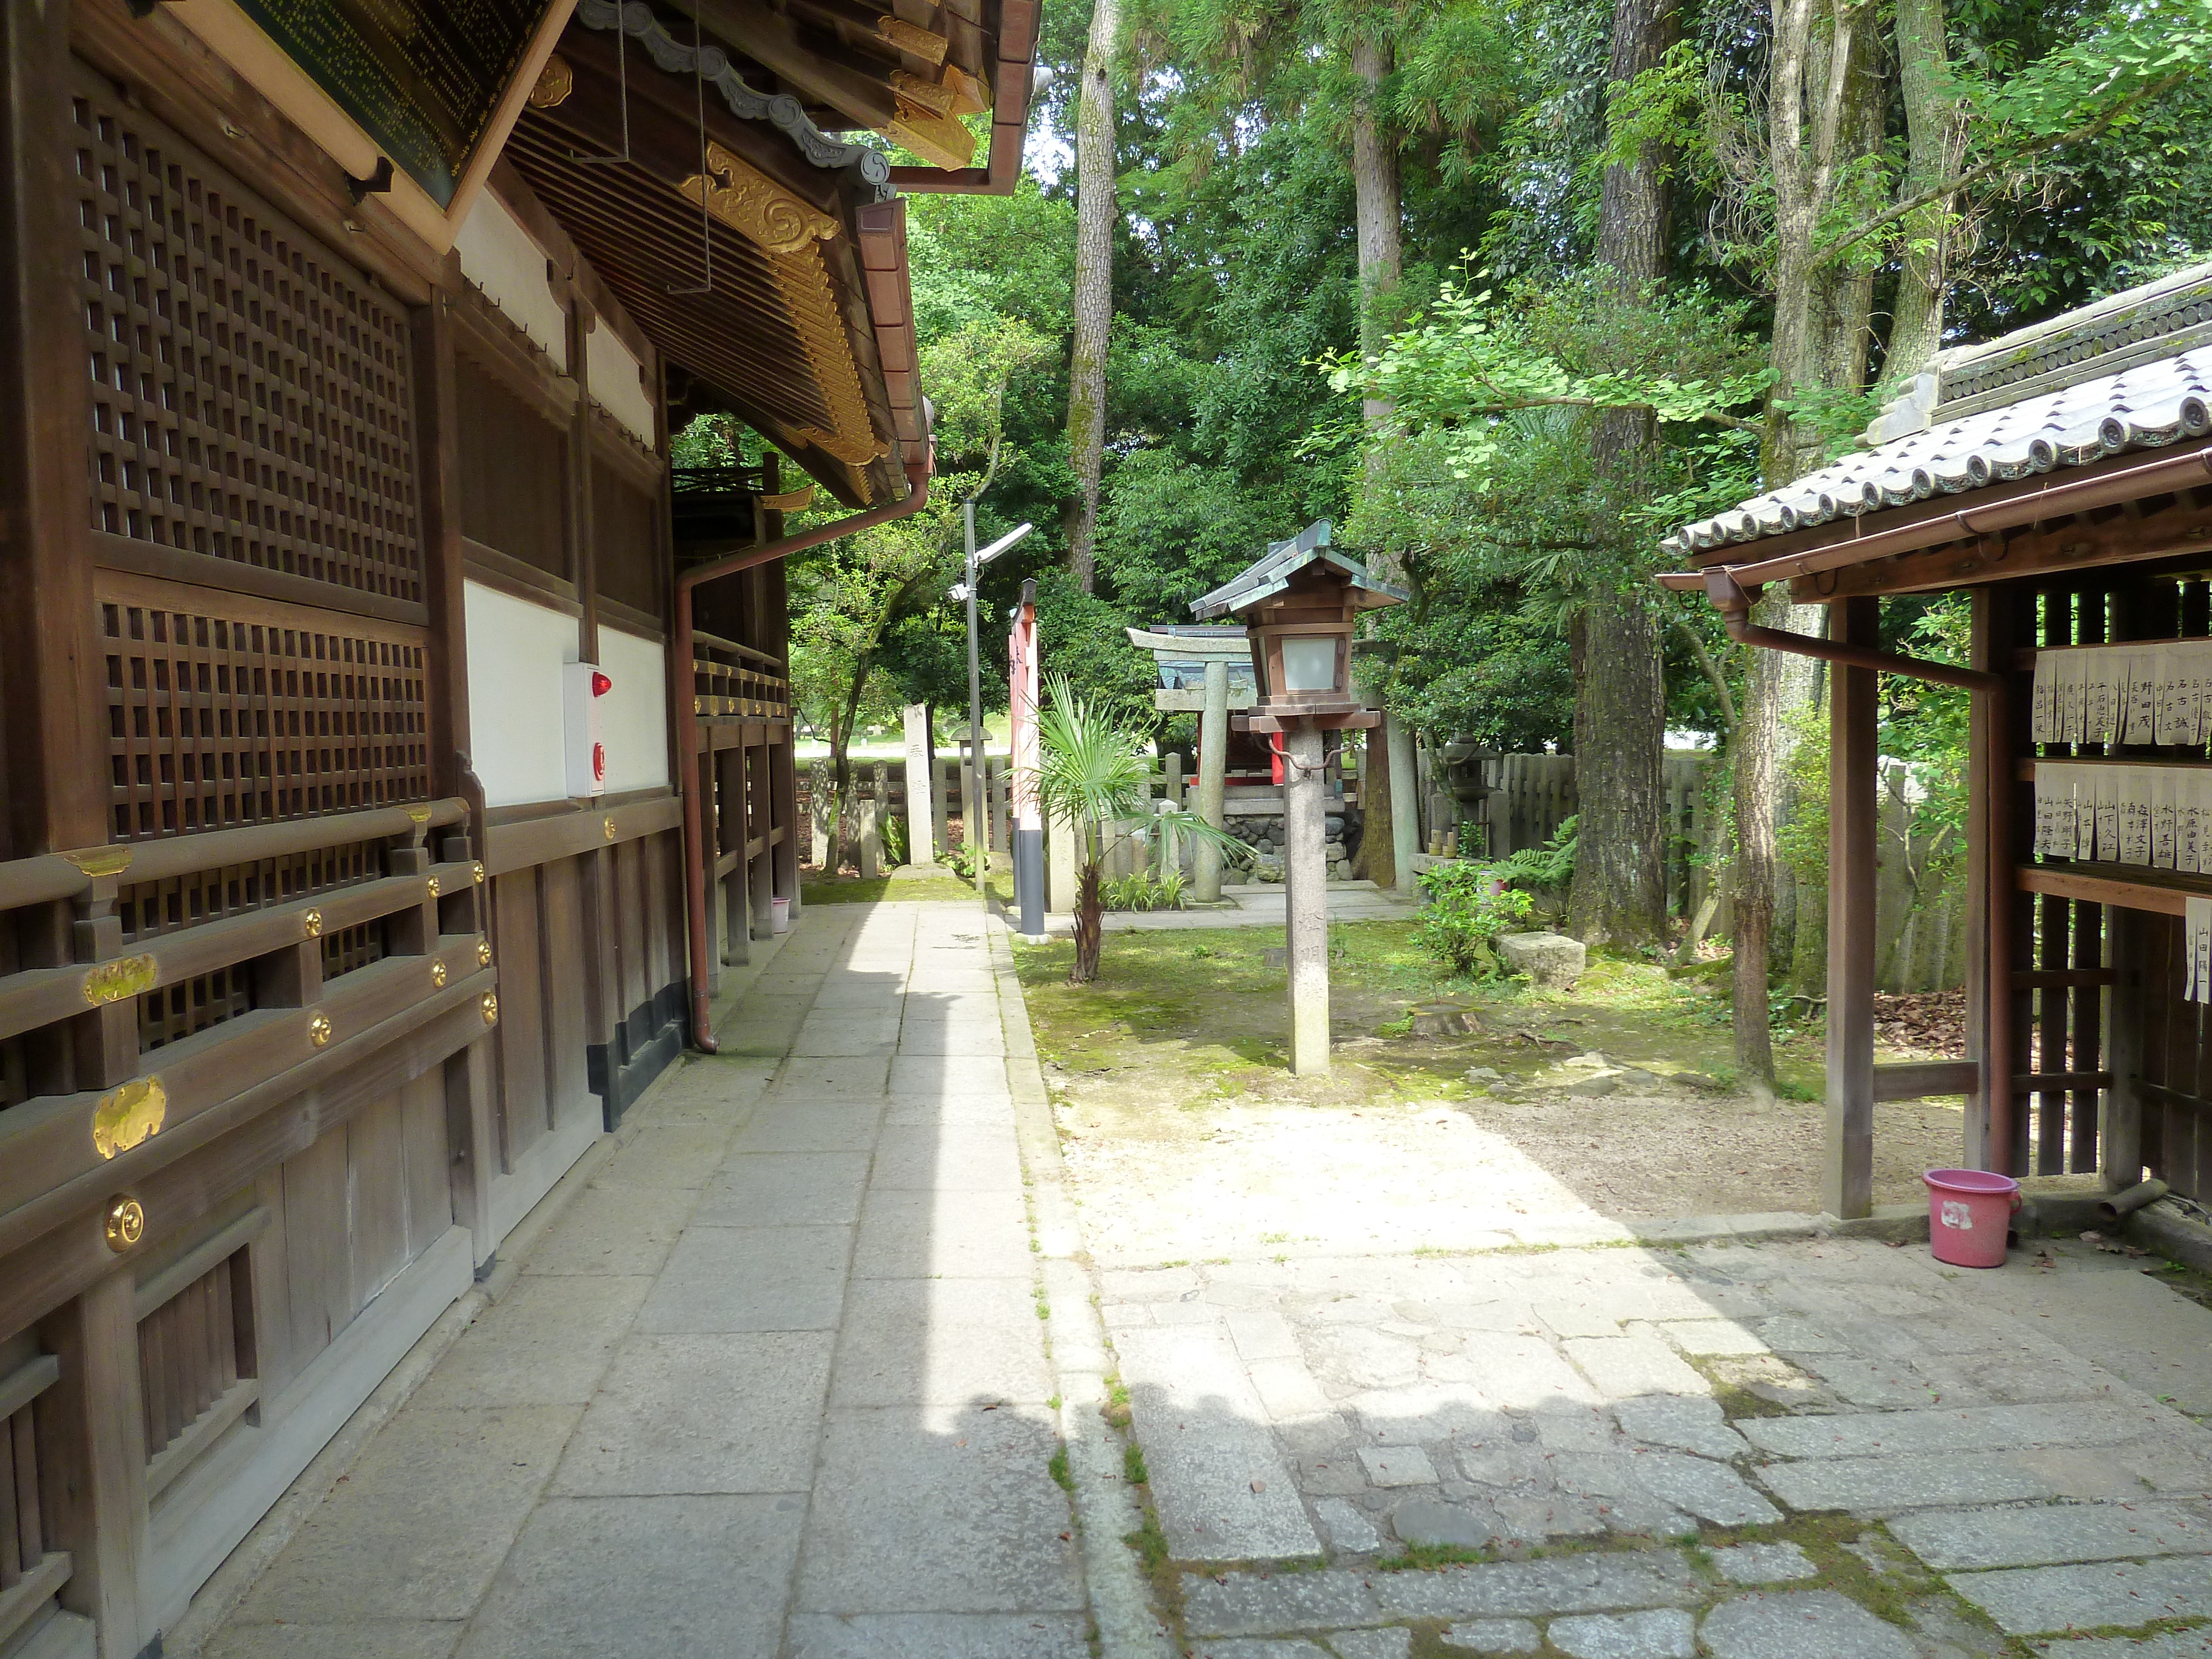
column 1993, row 692
column 687, row 711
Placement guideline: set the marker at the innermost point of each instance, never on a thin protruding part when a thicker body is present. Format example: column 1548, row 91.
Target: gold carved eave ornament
column 790, row 231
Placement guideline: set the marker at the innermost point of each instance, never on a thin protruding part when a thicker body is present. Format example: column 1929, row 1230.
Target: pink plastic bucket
column 1969, row 1213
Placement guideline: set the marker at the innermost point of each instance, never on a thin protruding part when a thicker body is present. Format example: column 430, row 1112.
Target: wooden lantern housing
column 1299, row 603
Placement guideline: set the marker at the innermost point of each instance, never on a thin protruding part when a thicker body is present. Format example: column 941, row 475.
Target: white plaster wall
column 634, row 716
column 616, row 385
column 515, row 652
column 498, row 256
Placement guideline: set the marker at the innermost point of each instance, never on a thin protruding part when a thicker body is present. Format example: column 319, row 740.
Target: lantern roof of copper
column 1272, row 572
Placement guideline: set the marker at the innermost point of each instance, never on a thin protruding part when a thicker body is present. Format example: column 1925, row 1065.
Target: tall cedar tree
column 1620, row 892
column 1096, row 222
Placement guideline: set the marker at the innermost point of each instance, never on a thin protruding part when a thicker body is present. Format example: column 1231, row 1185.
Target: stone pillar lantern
column 1299, row 604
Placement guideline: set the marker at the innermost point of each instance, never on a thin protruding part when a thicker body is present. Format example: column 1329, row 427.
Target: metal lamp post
column 1299, row 604
column 971, row 782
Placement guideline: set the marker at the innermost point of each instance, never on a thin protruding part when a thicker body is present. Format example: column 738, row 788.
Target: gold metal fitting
column 476, row 870
column 312, row 922
column 124, row 1224
column 126, row 976
column 438, row 975
column 319, row 1030
column 490, row 1006
column 433, row 885
column 483, row 953
column 129, row 1114
column 610, row 828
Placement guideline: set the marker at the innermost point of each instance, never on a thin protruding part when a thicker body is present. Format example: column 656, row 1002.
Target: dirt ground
column 1187, row 1139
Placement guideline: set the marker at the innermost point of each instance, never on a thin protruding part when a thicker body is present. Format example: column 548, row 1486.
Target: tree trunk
column 1935, row 144
column 1757, row 754
column 1089, row 926
column 1377, row 213
column 1619, row 893
column 1378, row 852
column 1095, row 222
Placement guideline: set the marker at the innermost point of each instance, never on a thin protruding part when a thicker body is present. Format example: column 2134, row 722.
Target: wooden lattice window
column 513, row 472
column 149, row 908
column 251, row 393
column 269, row 712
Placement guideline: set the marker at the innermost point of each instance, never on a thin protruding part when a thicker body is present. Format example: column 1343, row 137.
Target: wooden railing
column 736, row 682
column 91, row 1103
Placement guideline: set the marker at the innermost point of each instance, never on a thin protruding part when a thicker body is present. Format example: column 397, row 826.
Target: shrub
column 893, row 831
column 1469, row 907
column 1551, row 866
column 1143, row 891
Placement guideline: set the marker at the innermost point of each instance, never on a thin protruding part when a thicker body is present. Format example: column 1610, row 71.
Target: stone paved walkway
column 812, row 1368
column 775, row 1382
column 1781, row 1451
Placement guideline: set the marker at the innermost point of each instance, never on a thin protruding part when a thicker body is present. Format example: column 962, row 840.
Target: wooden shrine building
column 394, row 745
column 2061, row 477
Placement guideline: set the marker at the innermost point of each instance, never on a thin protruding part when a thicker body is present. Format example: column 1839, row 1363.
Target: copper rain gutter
column 1991, row 694
column 686, row 704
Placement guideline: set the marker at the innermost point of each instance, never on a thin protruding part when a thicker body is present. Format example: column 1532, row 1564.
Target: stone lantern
column 1299, row 604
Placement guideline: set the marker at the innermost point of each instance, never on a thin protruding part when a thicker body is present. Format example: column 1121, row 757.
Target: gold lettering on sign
column 126, row 976
column 129, row 1116
column 753, row 204
column 101, row 860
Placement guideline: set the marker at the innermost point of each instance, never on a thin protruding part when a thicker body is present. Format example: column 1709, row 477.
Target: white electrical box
column 582, row 685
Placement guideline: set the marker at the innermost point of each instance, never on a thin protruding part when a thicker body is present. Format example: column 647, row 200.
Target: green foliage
column 1467, row 906
column 965, row 859
column 893, row 831
column 1551, row 866
column 1144, row 891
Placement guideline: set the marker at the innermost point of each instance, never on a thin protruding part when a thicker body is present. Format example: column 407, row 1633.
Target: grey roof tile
column 2146, row 406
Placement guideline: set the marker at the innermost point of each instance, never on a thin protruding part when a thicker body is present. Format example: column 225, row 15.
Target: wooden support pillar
column 91, row 1433
column 783, row 803
column 1847, row 1176
column 472, row 1140
column 732, row 892
column 1213, row 780
column 760, row 869
column 1000, row 841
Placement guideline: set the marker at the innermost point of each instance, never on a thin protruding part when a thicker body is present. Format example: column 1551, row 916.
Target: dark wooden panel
column 513, row 472
column 625, row 549
column 562, row 939
column 520, row 953
column 630, row 905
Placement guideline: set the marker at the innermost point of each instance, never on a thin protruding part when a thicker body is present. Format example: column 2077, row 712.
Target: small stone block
column 1549, row 959
column 1394, row 1641
column 1713, row 1338
column 1683, row 1421
column 1398, row 1465
column 1952, row 1539
column 1492, row 1636
column 2031, row 1600
column 1666, row 1633
column 1250, row 1603
column 1426, row 1520
column 1349, row 1532
column 1800, row 1623
column 1764, row 1564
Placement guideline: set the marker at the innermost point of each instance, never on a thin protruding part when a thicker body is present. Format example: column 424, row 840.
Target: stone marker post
column 871, row 837
column 920, row 819
column 1213, row 780
column 1405, row 808
column 1305, row 881
column 821, row 807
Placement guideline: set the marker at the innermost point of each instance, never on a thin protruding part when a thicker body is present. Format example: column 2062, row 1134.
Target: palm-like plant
column 1093, row 771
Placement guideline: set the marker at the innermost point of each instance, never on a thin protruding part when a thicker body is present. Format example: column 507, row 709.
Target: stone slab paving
column 1824, row 1450
column 775, row 1383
